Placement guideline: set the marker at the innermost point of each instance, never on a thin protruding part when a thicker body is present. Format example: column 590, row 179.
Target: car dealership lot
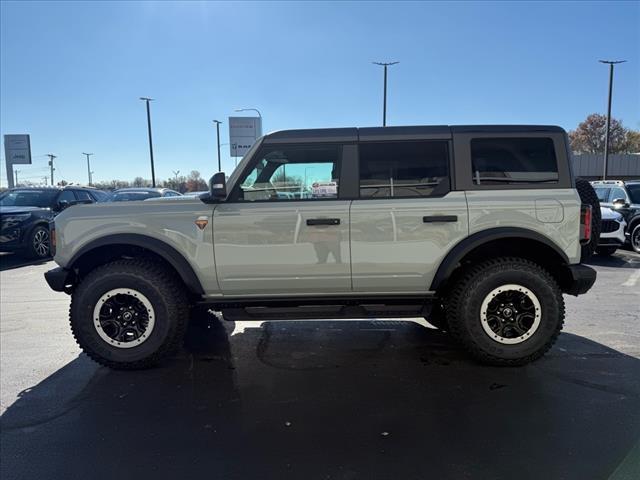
column 387, row 399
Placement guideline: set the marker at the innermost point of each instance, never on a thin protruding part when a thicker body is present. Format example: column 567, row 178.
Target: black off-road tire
column 588, row 196
column 166, row 294
column 38, row 243
column 606, row 251
column 464, row 310
column 438, row 317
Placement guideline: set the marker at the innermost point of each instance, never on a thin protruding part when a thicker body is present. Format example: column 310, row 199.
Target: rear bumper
column 60, row 279
column 581, row 279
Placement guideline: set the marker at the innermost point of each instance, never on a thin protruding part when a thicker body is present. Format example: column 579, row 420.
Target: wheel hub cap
column 123, row 317
column 510, row 314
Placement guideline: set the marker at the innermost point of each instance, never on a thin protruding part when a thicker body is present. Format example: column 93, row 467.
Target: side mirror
column 620, row 203
column 218, row 186
column 62, row 204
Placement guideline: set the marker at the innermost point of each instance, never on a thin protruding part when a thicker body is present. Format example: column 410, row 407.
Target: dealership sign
column 17, row 151
column 243, row 132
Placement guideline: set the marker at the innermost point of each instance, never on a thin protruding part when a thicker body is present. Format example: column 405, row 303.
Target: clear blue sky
column 71, row 73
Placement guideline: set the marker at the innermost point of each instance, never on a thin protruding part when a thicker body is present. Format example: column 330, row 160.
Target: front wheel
column 506, row 311
column 635, row 238
column 38, row 243
column 129, row 314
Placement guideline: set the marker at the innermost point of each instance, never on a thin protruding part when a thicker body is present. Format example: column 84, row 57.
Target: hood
column 14, row 210
column 608, row 214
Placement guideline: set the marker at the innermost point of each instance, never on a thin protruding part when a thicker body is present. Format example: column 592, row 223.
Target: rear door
column 406, row 218
column 285, row 230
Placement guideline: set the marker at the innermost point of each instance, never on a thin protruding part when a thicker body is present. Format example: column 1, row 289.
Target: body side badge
column 202, row 222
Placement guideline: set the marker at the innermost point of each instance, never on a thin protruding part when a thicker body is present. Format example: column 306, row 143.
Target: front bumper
column 60, row 279
column 580, row 279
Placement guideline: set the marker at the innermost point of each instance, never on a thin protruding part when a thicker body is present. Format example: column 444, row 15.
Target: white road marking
column 633, row 279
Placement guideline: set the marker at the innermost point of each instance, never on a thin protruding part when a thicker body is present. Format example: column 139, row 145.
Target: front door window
column 293, row 173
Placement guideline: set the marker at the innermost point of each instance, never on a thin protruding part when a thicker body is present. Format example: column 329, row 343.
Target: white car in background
column 612, row 231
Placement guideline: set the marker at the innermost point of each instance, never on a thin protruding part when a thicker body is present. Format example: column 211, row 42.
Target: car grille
column 609, row 226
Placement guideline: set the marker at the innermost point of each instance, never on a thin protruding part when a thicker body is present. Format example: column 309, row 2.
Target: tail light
column 585, row 223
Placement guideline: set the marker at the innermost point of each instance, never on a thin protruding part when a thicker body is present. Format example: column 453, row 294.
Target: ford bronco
column 480, row 229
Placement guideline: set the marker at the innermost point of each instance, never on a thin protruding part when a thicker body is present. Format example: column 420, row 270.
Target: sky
column 71, row 73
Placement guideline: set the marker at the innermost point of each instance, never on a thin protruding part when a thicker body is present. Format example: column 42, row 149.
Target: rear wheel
column 606, row 251
column 506, row 311
column 129, row 314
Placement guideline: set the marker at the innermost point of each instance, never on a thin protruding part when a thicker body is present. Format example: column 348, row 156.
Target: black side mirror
column 62, row 204
column 218, row 186
column 620, row 203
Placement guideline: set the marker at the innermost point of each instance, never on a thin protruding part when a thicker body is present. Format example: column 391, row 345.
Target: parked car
column 482, row 239
column 25, row 214
column 142, row 193
column 623, row 197
column 612, row 230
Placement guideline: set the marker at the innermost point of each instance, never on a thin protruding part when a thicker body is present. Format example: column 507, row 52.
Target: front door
column 284, row 230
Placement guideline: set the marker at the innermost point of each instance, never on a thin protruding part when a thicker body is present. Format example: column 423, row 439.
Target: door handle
column 323, row 221
column 440, row 219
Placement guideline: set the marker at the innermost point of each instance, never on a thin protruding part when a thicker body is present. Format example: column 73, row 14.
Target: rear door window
column 83, row 195
column 513, row 161
column 404, row 169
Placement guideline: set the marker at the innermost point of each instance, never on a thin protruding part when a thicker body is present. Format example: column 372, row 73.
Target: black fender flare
column 160, row 248
column 461, row 249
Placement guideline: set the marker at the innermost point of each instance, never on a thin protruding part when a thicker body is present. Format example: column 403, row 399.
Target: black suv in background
column 25, row 215
column 623, row 197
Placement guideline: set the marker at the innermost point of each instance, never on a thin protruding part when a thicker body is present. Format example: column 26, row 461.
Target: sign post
column 17, row 151
column 243, row 132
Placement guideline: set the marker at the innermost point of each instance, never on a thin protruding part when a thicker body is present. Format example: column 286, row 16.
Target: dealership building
column 619, row 166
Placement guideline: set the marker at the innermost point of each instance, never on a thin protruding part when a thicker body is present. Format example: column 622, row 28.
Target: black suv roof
column 354, row 134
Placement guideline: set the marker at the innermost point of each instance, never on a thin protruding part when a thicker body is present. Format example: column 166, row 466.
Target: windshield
column 132, row 196
column 634, row 192
column 28, row 198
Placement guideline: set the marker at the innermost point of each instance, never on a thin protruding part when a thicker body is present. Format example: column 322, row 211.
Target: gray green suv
column 480, row 229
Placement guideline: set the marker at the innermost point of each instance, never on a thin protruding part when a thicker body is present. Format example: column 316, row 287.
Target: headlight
column 13, row 220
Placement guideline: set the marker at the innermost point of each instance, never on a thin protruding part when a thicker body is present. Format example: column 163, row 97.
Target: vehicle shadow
column 9, row 261
column 343, row 399
column 620, row 259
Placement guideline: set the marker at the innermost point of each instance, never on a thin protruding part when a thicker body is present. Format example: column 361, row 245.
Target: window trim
column 450, row 169
column 234, row 195
column 463, row 165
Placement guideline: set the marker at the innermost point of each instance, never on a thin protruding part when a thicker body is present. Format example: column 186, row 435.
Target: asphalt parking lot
column 322, row 400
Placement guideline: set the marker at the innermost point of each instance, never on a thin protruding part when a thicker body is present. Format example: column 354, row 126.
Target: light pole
column 611, row 63
column 218, row 122
column 89, row 172
column 249, row 110
column 153, row 172
column 51, row 158
column 175, row 173
column 15, row 176
column 384, row 101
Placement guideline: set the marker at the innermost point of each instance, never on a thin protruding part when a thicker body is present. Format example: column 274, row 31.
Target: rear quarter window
column 497, row 161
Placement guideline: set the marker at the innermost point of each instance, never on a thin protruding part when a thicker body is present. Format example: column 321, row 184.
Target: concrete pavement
column 347, row 400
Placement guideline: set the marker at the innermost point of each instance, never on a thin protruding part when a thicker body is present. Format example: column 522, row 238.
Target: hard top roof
column 354, row 134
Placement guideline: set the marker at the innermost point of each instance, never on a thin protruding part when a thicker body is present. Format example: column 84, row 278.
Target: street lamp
column 249, row 110
column 218, row 122
column 153, row 172
column 611, row 63
column 384, row 101
column 89, row 172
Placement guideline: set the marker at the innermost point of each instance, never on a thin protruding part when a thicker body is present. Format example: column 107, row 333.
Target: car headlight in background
column 13, row 220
